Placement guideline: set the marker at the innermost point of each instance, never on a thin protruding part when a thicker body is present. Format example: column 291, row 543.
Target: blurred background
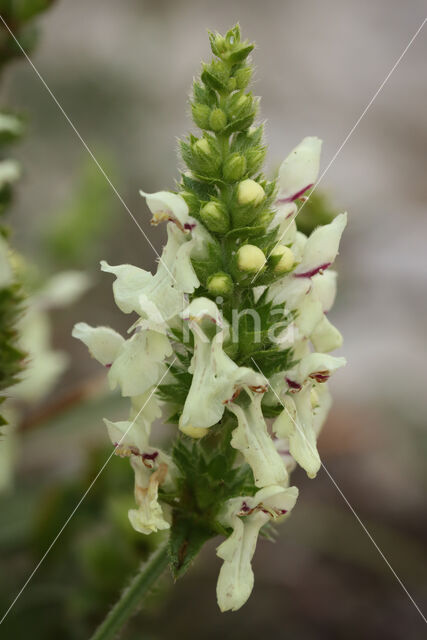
column 122, row 72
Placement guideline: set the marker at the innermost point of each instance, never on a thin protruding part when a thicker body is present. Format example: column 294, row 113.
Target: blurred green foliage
column 314, row 212
column 85, row 570
column 19, row 16
column 77, row 233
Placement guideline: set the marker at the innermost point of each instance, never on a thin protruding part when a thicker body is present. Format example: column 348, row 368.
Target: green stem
column 133, row 595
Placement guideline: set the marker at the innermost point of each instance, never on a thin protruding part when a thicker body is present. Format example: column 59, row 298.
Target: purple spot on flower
column 108, row 366
column 245, row 508
column 293, row 385
column 313, row 272
column 295, row 196
column 189, row 226
column 149, row 456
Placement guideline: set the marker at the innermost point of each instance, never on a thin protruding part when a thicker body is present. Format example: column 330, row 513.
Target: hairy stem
column 133, row 596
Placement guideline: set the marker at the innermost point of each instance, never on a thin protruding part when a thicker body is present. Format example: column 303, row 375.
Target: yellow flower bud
column 250, row 192
column 250, row 258
column 220, row 284
column 287, row 258
column 193, row 432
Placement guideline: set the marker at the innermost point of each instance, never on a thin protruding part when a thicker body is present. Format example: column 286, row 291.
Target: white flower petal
column 216, row 377
column 103, row 343
column 296, row 424
column 139, row 363
column 129, row 434
column 150, row 516
column 324, row 287
column 309, row 315
column 325, row 336
column 284, row 222
column 236, row 578
column 253, row 441
column 133, row 287
column 321, row 248
column 165, row 205
column 316, row 365
column 321, row 410
column 299, row 171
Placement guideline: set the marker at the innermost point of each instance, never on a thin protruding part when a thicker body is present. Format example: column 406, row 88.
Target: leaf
column 186, row 539
column 240, row 124
column 212, row 80
column 240, row 54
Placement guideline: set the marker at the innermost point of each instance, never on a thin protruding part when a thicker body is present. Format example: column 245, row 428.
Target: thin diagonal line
column 42, row 559
column 85, row 145
column 348, row 136
column 345, row 499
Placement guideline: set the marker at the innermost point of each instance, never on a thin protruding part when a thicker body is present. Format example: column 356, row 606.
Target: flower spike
column 238, row 368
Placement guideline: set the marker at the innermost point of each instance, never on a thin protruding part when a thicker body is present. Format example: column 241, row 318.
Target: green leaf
column 187, row 537
column 240, row 124
column 240, row 54
column 212, row 80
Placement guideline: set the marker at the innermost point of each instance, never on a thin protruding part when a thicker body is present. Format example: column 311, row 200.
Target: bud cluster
column 223, row 187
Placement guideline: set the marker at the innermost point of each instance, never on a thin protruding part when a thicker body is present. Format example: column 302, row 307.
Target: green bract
column 230, row 331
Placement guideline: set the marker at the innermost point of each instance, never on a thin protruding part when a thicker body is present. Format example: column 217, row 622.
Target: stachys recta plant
column 229, row 339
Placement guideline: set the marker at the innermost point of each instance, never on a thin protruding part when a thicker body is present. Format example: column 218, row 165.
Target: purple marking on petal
column 313, row 272
column 293, row 385
column 150, row 456
column 107, row 366
column 321, row 376
column 296, row 195
column 189, row 226
column 148, row 459
column 245, row 508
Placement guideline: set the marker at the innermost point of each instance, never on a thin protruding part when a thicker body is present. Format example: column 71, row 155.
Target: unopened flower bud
column 242, row 102
column 231, row 84
column 287, row 258
column 203, row 146
column 201, row 114
column 250, row 258
column 220, row 284
column 219, row 44
column 254, row 159
column 243, row 77
column 217, row 120
column 214, row 217
column 250, row 192
column 234, row 167
column 193, row 432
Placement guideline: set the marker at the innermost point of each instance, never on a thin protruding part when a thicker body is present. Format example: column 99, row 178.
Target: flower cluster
column 230, row 332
